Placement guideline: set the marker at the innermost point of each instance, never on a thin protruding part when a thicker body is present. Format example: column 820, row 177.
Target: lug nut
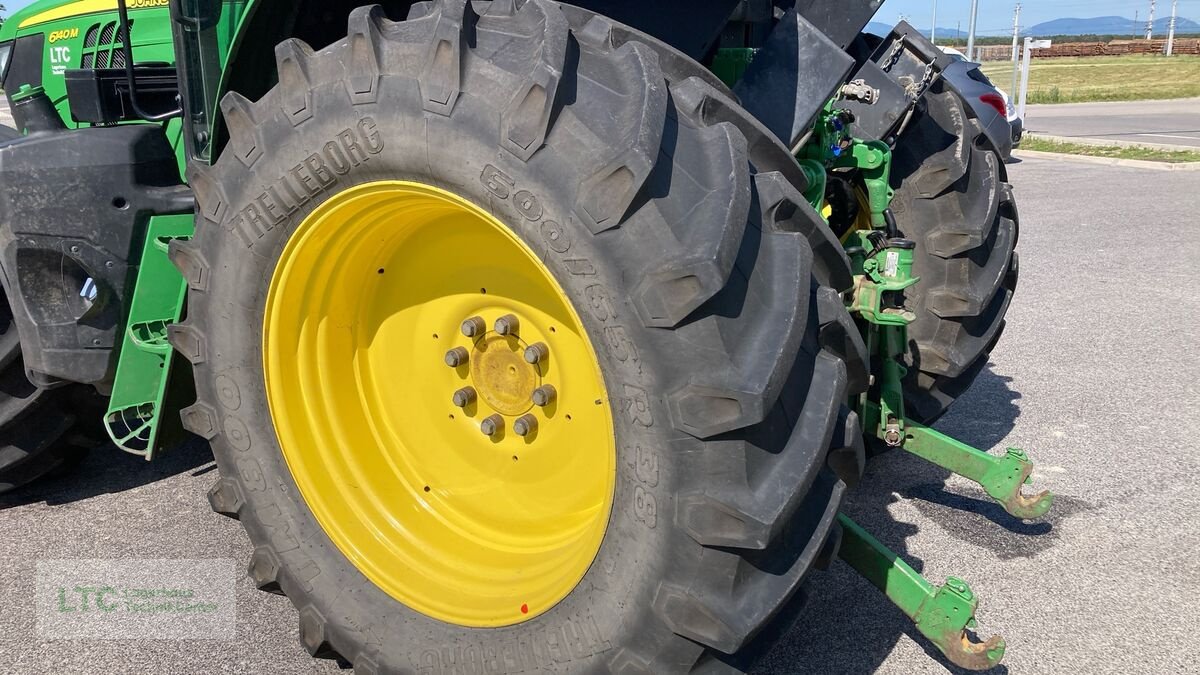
column 474, row 327
column 464, row 397
column 544, row 395
column 536, row 353
column 525, row 425
column 507, row 325
column 457, row 357
column 492, row 425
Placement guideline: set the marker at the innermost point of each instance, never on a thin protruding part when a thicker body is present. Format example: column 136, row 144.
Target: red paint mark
column 524, row 609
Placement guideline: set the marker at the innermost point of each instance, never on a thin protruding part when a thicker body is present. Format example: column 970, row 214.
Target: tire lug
column 474, row 327
column 457, row 357
column 492, row 425
column 508, row 324
column 544, row 395
column 465, row 397
column 536, row 353
column 525, row 425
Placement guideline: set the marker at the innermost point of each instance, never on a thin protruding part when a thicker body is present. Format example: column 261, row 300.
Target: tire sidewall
column 458, row 154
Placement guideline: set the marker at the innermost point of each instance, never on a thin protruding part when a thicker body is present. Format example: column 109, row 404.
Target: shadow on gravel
column 846, row 625
column 107, row 470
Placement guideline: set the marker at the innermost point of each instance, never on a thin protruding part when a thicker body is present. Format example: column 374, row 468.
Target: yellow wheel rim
column 366, row 310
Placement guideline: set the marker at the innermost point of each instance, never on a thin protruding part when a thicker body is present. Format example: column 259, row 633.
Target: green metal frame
column 882, row 264
column 135, row 411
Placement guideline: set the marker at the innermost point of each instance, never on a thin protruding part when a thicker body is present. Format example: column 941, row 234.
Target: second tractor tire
column 954, row 200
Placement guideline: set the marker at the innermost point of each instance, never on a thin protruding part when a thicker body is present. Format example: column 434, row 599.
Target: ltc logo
column 60, row 58
column 64, row 34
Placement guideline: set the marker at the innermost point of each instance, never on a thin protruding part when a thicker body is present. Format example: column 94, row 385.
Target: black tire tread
column 740, row 291
column 36, row 425
column 953, row 199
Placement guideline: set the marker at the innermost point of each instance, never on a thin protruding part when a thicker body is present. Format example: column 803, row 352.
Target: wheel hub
column 499, row 372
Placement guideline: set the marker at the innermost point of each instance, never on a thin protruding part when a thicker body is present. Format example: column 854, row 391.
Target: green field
column 1122, row 152
column 1105, row 78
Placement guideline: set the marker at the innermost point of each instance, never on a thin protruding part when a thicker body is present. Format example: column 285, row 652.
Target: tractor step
column 943, row 614
column 134, row 415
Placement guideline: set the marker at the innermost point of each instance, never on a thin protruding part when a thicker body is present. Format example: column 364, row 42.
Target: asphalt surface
column 1096, row 378
column 1174, row 122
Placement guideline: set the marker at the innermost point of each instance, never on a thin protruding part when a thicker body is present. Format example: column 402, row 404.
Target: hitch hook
column 1004, row 483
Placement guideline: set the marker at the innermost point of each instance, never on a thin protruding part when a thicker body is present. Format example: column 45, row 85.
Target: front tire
column 707, row 286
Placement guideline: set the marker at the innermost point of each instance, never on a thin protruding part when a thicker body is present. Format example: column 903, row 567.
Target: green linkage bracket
column 943, row 614
column 873, row 159
column 880, row 268
column 135, row 410
column 831, row 147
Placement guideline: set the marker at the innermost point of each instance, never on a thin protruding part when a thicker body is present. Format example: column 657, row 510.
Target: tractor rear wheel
column 515, row 353
column 38, row 433
column 953, row 199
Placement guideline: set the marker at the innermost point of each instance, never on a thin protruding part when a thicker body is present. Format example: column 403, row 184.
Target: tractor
column 528, row 336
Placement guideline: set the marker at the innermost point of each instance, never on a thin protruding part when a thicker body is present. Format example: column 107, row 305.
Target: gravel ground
column 1091, row 378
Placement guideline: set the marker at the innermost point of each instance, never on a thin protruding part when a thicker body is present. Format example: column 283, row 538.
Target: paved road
column 1160, row 122
column 1096, row 377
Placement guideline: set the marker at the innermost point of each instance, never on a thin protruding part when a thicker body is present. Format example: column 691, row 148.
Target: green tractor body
column 744, row 204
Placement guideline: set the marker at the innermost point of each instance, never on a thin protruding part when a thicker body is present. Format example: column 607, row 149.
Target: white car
column 992, row 106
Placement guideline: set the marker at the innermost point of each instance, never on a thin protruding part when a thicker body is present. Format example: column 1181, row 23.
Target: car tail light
column 997, row 102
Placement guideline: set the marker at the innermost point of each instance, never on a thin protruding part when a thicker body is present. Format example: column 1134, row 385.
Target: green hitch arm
column 1001, row 477
column 941, row 613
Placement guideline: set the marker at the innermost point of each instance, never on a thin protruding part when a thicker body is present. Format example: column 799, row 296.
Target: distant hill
column 1111, row 25
column 1101, row 25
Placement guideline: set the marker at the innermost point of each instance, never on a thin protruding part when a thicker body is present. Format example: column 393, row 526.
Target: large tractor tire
column 636, row 242
column 953, row 199
column 38, row 427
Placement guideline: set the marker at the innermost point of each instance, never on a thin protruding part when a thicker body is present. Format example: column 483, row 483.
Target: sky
column 995, row 16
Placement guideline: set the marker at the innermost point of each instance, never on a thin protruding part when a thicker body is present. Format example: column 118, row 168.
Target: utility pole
column 1150, row 23
column 1171, row 31
column 971, row 30
column 1135, row 25
column 1016, row 51
column 933, row 27
column 1016, row 30
column 957, row 33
